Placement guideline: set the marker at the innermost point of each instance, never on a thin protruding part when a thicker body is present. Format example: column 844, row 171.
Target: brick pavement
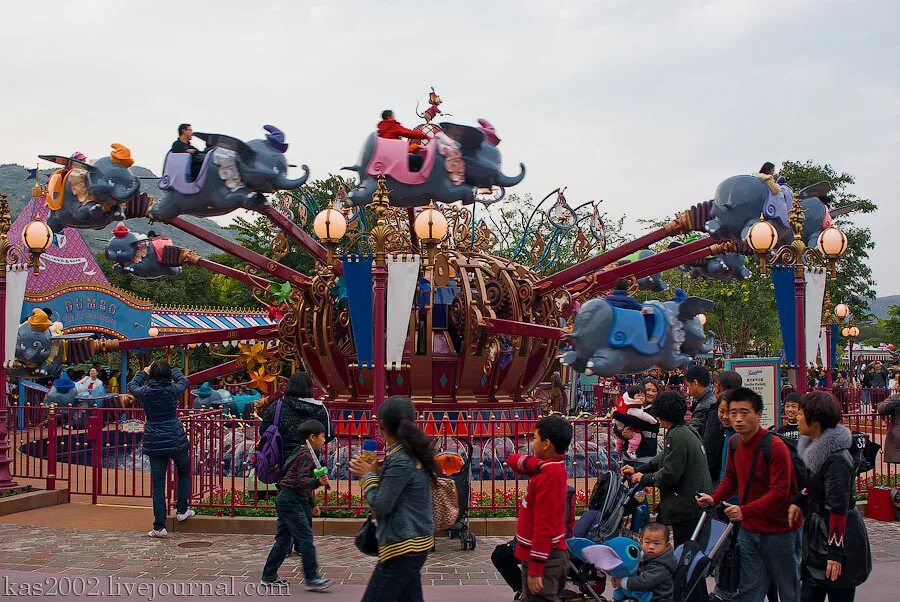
column 128, row 556
column 135, row 556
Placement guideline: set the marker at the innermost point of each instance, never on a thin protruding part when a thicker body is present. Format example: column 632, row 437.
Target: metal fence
column 97, row 451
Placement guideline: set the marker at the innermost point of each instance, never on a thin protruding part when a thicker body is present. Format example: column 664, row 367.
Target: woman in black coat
column 159, row 388
column 298, row 406
column 836, row 557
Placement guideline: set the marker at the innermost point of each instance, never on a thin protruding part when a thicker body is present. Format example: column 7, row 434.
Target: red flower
column 276, row 310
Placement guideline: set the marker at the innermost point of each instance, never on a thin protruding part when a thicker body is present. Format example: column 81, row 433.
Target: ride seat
column 391, row 157
column 177, row 173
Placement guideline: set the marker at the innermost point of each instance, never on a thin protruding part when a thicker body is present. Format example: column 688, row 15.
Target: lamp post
column 850, row 333
column 5, row 222
column 37, row 237
column 763, row 238
column 430, row 227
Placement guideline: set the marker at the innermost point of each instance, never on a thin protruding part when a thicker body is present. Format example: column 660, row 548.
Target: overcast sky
column 647, row 105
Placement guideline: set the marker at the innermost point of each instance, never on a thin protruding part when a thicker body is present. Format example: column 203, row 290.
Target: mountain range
column 879, row 307
column 13, row 183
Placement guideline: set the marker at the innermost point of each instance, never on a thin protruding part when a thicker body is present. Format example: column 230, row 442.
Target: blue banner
column 783, row 279
column 358, row 281
column 832, row 352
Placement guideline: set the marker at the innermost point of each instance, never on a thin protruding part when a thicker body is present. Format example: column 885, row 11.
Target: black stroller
column 616, row 507
column 696, row 559
column 459, row 470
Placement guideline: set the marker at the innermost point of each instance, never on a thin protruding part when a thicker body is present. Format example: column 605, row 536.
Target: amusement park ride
column 406, row 297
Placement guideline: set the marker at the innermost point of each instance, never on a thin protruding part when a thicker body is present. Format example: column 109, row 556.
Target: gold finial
column 380, row 203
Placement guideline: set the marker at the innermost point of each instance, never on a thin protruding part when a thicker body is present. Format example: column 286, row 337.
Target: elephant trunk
column 285, row 183
column 504, row 180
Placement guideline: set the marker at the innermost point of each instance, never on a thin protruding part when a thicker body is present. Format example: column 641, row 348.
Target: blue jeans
column 158, row 466
column 294, row 524
column 769, row 558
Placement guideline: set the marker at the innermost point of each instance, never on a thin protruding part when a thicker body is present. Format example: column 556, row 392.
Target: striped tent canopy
column 174, row 320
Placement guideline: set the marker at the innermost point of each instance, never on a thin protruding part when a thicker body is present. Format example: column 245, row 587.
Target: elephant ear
column 68, row 162
column 229, row 142
column 692, row 306
column 468, row 137
column 817, row 189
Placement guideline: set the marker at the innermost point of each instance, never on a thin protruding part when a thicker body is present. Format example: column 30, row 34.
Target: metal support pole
column 800, row 330
column 6, row 481
column 827, row 359
column 380, row 233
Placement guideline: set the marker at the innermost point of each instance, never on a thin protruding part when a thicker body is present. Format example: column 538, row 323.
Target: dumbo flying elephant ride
column 234, row 175
column 458, row 165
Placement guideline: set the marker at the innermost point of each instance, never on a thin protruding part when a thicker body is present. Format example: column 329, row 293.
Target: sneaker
column 319, row 584
column 159, row 533
column 277, row 582
column 183, row 517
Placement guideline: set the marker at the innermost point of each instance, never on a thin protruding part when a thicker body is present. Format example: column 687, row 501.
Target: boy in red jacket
column 541, row 525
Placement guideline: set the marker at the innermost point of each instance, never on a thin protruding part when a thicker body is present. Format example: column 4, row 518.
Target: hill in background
column 879, row 307
column 13, row 183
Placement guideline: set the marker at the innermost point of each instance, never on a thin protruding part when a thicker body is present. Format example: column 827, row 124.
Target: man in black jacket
column 698, row 380
column 713, row 437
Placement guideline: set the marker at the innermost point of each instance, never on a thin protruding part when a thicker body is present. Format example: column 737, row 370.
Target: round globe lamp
column 37, row 237
column 330, row 225
column 841, row 311
column 832, row 243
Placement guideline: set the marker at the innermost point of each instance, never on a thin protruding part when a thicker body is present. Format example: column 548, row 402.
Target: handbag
column 444, row 504
column 365, row 540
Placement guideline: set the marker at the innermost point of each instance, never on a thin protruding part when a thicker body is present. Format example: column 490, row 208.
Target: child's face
column 639, row 397
column 543, row 448
column 317, row 441
column 790, row 411
column 653, row 543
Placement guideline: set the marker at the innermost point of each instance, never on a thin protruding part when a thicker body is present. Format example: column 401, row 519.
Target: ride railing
column 98, row 452
column 859, row 399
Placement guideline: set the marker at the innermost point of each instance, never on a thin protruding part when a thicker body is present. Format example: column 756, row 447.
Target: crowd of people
column 789, row 489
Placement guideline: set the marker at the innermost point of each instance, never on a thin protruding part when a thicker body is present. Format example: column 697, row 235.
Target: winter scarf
column 814, row 452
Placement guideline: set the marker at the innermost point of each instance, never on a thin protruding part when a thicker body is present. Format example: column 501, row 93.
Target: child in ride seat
column 631, row 403
column 655, row 574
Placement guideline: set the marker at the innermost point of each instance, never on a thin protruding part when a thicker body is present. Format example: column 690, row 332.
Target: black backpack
column 765, row 447
column 864, row 451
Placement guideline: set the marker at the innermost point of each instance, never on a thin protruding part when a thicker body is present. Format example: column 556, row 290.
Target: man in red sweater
column 391, row 129
column 541, row 524
column 761, row 473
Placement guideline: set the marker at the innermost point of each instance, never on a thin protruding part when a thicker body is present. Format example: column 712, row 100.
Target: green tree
column 854, row 284
column 890, row 327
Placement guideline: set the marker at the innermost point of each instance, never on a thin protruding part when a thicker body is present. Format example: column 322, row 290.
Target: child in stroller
column 459, row 470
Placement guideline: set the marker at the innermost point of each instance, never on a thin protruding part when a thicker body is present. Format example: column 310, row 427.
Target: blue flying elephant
column 740, row 200
column 84, row 195
column 149, row 258
column 62, row 393
column 610, row 340
column 458, row 161
column 234, row 175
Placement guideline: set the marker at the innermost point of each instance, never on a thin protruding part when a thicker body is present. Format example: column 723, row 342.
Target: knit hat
column 121, row 155
column 63, row 384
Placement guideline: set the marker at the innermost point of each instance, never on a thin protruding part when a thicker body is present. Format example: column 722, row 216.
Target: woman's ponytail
column 398, row 415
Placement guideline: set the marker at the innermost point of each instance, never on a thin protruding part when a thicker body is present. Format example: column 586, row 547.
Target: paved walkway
column 127, row 565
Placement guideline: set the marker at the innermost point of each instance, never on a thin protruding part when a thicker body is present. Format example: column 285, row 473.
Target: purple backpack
column 267, row 459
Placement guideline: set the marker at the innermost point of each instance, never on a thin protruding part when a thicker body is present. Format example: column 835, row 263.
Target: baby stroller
column 696, row 559
column 616, row 507
column 459, row 470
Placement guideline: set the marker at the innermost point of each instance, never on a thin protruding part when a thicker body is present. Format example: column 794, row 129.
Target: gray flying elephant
column 609, row 340
column 234, row 175
column 142, row 256
column 654, row 282
column 740, row 200
column 84, row 195
column 459, row 160
column 728, row 266
column 38, row 351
